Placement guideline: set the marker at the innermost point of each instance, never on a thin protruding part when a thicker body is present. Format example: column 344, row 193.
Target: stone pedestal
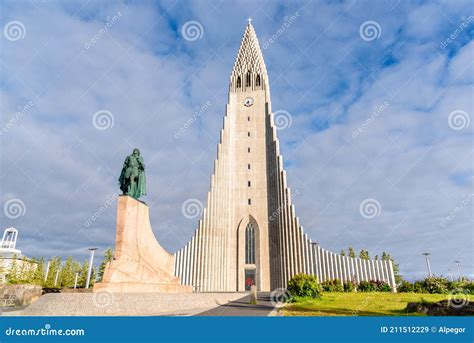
column 140, row 264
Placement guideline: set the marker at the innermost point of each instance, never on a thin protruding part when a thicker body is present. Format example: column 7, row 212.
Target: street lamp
column 47, row 271
column 57, row 276
column 459, row 269
column 428, row 262
column 450, row 271
column 75, row 281
column 91, row 260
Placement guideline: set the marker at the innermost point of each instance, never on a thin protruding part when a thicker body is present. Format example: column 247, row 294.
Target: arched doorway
column 250, row 268
column 248, row 255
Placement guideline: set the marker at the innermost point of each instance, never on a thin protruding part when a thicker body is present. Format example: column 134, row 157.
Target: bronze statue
column 132, row 179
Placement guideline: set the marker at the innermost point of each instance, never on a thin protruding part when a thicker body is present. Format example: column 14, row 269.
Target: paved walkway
column 124, row 304
column 242, row 307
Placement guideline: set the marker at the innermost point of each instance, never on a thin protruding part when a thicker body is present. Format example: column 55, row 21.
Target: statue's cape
column 141, row 189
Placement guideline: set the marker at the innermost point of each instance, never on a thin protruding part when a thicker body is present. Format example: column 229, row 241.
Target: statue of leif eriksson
column 132, row 179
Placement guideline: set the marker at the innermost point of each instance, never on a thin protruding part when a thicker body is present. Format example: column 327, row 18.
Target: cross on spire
column 249, row 21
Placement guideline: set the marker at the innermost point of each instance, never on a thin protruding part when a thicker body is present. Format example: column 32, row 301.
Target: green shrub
column 419, row 287
column 365, row 286
column 406, row 287
column 436, row 285
column 349, row 286
column 304, row 285
column 382, row 286
column 462, row 286
column 332, row 286
column 373, row 286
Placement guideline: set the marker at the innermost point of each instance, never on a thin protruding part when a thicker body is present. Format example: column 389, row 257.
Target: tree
column 54, row 268
column 364, row 254
column 343, row 253
column 38, row 275
column 351, row 252
column 82, row 279
column 67, row 273
column 13, row 274
column 108, row 256
column 396, row 267
column 29, row 267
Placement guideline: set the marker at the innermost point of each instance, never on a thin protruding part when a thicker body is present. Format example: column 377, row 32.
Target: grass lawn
column 358, row 304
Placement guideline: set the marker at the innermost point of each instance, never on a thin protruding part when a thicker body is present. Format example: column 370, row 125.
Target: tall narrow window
column 248, row 81
column 249, row 244
column 248, row 134
column 248, row 166
column 248, row 149
column 249, row 184
column 257, row 81
column 249, row 201
column 239, row 82
column 248, row 118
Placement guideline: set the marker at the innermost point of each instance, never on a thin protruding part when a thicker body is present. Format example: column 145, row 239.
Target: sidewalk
column 242, row 307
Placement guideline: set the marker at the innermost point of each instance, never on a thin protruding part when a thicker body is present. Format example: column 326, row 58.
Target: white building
column 249, row 233
column 9, row 253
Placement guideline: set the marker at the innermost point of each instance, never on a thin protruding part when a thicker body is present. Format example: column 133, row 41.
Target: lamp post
column 428, row 263
column 56, row 278
column 47, row 271
column 450, row 271
column 459, row 269
column 91, row 260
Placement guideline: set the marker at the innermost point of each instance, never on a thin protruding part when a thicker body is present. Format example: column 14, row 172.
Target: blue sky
column 385, row 114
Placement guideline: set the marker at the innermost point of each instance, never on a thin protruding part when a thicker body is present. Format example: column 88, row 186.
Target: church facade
column 249, row 232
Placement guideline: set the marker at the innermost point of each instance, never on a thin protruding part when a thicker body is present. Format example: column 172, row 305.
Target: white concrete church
column 249, row 233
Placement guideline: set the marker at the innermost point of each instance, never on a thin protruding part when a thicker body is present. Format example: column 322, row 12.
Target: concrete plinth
column 140, row 264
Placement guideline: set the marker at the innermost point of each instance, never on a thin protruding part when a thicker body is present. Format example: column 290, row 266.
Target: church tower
column 249, row 233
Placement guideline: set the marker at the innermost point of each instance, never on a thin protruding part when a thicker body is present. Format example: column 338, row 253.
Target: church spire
column 249, row 72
